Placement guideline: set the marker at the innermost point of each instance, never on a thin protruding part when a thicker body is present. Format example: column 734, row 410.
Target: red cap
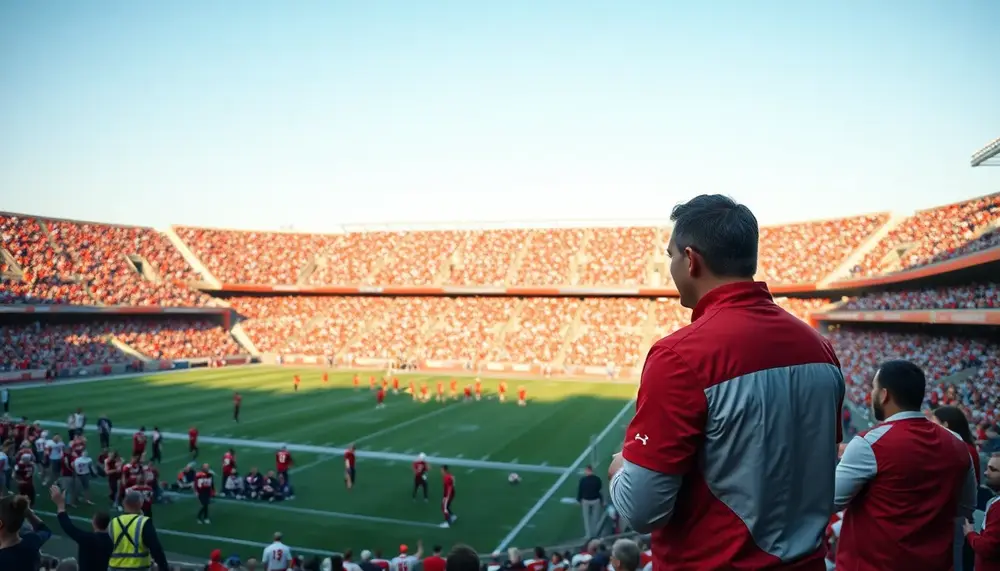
column 403, row 548
column 216, row 555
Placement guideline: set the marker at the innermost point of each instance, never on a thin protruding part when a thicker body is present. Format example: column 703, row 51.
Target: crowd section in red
column 974, row 296
column 935, row 235
column 861, row 350
column 42, row 345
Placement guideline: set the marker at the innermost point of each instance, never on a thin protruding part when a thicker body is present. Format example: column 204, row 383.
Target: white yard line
column 396, row 427
column 312, row 464
column 562, row 480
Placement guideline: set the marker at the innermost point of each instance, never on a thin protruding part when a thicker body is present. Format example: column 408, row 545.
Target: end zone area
column 481, row 441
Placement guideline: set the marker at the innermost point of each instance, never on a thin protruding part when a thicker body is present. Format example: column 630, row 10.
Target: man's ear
column 693, row 262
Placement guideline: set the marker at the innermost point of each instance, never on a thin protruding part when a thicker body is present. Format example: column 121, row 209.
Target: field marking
column 312, row 464
column 562, row 480
column 202, row 536
column 332, row 451
column 396, row 427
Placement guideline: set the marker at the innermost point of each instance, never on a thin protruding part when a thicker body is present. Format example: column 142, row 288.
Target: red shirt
column 449, row 486
column 193, row 435
column 147, row 495
column 133, row 474
column 66, row 466
column 419, row 468
column 282, row 460
column 326, row 377
column 228, row 463
column 380, row 396
column 522, row 394
column 203, row 482
column 543, row 565
column 138, row 443
column 720, row 410
column 395, row 383
column 237, row 399
column 468, row 391
column 113, row 468
column 986, row 543
column 349, row 458
column 24, row 472
column 434, row 563
column 974, row 453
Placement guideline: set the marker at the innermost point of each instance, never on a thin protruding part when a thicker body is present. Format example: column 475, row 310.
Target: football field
column 547, row 443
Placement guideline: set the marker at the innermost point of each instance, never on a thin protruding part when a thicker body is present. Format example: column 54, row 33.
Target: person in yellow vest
column 134, row 538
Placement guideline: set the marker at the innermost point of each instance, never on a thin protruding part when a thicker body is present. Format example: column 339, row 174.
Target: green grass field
column 548, row 440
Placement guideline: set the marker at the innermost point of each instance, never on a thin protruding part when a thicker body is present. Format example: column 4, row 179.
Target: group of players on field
column 423, row 394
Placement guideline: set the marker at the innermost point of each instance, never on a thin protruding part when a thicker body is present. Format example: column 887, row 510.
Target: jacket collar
column 734, row 294
column 906, row 415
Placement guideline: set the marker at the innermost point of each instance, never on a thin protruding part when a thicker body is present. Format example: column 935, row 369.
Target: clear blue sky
column 261, row 114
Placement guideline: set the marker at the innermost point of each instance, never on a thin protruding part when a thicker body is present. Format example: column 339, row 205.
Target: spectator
column 588, row 495
column 883, row 470
column 514, row 562
column 215, row 561
column 462, row 558
column 93, row 547
column 625, row 555
column 952, row 418
column 404, row 561
column 347, row 563
column 277, row 556
column 539, row 562
column 986, row 543
column 334, row 563
column 743, row 372
column 68, row 564
column 366, row 562
column 435, row 562
column 126, row 553
column 5, row 399
column 313, row 563
column 20, row 552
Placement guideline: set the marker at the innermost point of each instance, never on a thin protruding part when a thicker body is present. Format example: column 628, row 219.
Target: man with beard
column 903, row 482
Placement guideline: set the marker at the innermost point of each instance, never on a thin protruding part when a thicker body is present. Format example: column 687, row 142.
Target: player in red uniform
column 146, row 491
column 448, row 497
column 237, row 401
column 395, row 385
column 228, row 464
column 385, row 383
column 357, row 381
column 424, row 392
column 283, row 462
column 24, row 474
column 139, row 442
column 349, row 467
column 479, row 389
column 295, row 381
column 113, row 469
column 522, row 396
column 326, row 377
column 420, row 469
column 193, row 442
column 440, row 391
column 204, row 487
column 413, row 390
column 502, row 391
column 380, row 398
column 468, row 393
column 454, row 388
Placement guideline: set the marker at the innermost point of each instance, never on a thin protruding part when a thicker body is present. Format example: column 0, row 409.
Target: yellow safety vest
column 129, row 551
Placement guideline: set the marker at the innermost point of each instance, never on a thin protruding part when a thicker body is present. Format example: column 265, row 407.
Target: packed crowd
column 974, row 296
column 43, row 290
column 860, row 351
column 934, row 235
column 39, row 345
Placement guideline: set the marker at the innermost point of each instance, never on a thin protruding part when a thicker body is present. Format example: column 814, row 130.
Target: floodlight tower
column 988, row 155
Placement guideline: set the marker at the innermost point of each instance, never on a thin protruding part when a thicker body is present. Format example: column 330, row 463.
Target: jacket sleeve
column 74, row 533
column 152, row 542
column 986, row 543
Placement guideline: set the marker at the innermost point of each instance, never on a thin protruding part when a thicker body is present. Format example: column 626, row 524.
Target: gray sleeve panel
column 644, row 498
column 968, row 496
column 856, row 468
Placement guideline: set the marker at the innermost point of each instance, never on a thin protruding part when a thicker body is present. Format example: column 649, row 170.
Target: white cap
column 421, row 456
column 366, row 555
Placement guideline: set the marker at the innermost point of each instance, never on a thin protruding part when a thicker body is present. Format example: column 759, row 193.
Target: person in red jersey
column 903, row 482
column 204, row 488
column 146, row 492
column 228, row 464
column 296, row 381
column 395, row 385
column 986, row 543
column 380, row 398
column 237, row 401
column 385, row 383
column 435, row 562
column 413, row 390
column 479, row 389
column 113, row 470
column 357, row 381
column 326, row 377
column 193, row 442
column 420, row 469
column 468, row 393
column 67, row 477
column 539, row 562
column 139, row 442
column 721, row 462
column 283, row 462
column 502, row 391
column 24, row 476
column 425, row 392
column 522, row 396
column 448, row 497
column 440, row 391
column 453, row 387
column 349, row 467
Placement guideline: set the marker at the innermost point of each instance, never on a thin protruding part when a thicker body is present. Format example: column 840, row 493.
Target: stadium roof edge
column 989, row 151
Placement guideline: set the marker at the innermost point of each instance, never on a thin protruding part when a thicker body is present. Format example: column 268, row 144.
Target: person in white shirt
column 5, row 466
column 80, row 420
column 84, row 468
column 5, row 399
column 40, row 444
column 71, row 425
column 277, row 556
column 404, row 561
column 55, row 448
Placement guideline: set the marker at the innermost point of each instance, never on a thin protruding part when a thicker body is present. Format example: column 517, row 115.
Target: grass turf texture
column 552, row 431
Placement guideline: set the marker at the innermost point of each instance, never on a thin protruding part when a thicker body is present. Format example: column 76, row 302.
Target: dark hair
column 956, row 420
column 336, row 563
column 438, row 549
column 12, row 512
column 102, row 520
column 313, row 563
column 462, row 558
column 904, row 381
column 723, row 232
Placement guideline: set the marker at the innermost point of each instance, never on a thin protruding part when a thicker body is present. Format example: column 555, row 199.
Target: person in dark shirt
column 104, row 427
column 93, row 547
column 588, row 495
column 20, row 552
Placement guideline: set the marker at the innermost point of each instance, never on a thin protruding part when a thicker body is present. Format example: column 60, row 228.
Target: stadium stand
column 973, row 296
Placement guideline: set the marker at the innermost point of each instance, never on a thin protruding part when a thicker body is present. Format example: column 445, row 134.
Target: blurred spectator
column 20, row 551
column 625, row 555
column 462, row 558
column 976, row 296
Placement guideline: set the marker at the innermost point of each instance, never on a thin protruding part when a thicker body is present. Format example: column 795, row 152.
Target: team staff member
column 986, row 543
column 903, row 482
column 134, row 540
column 740, row 409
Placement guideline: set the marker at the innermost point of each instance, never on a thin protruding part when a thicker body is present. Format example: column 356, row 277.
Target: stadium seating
column 44, row 290
column 976, row 296
column 934, row 235
column 176, row 338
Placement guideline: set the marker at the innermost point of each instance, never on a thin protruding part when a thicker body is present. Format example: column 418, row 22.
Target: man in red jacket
column 903, row 482
column 986, row 543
